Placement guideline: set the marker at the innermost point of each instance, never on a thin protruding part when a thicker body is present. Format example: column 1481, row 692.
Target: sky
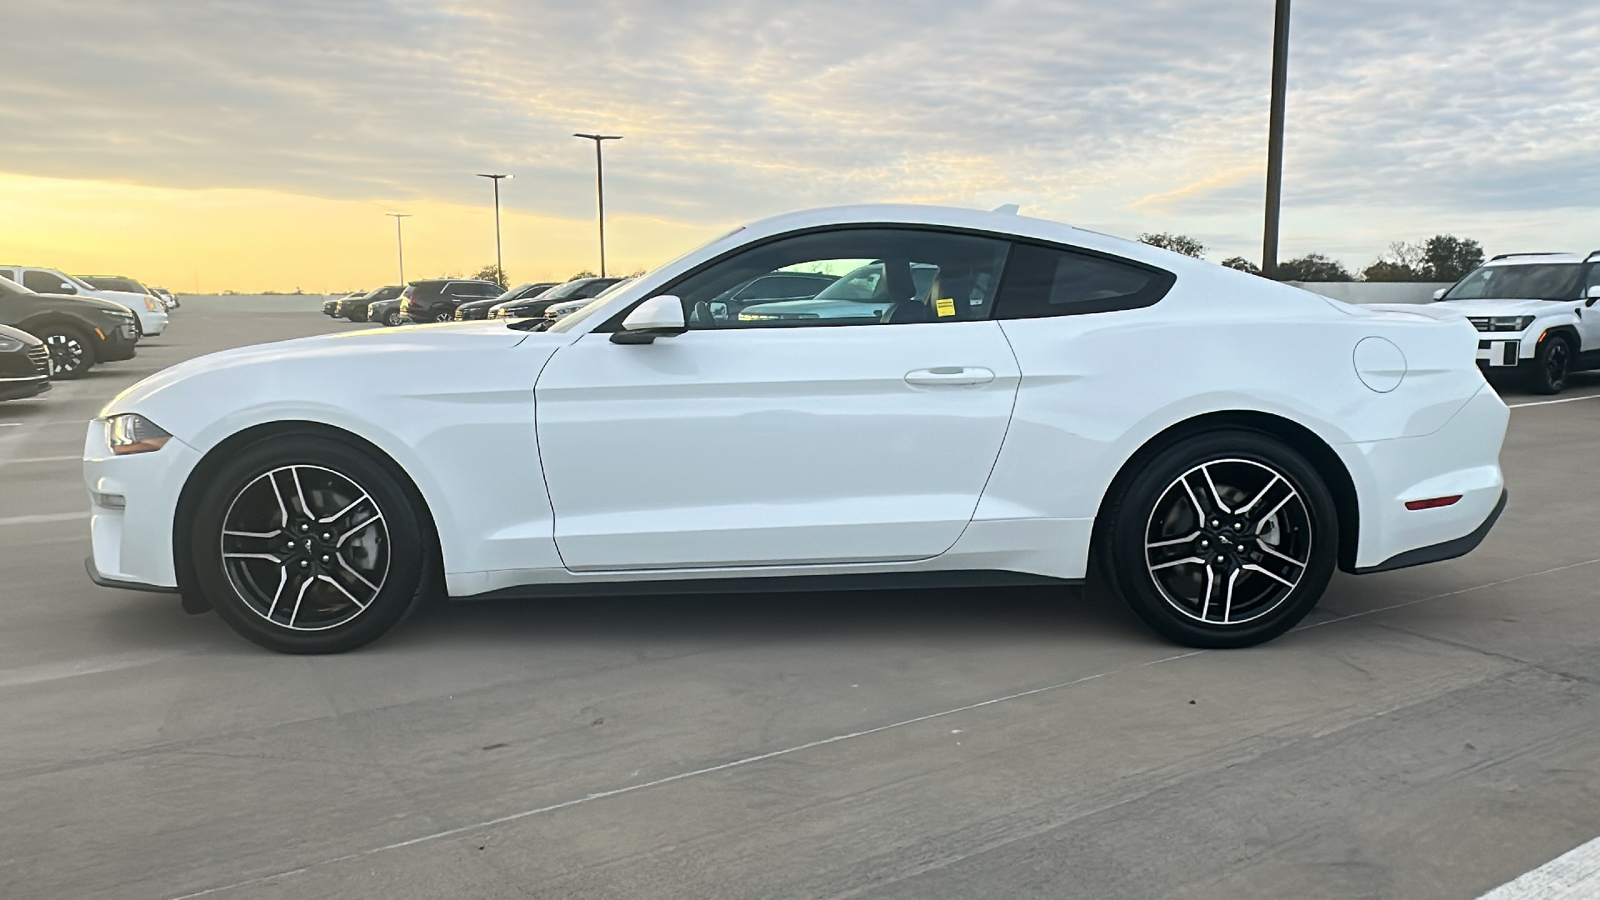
column 257, row 144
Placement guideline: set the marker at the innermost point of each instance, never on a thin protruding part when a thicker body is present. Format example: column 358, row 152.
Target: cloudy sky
column 256, row 144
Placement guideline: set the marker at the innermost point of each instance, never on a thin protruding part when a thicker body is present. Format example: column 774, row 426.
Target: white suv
column 151, row 313
column 1537, row 312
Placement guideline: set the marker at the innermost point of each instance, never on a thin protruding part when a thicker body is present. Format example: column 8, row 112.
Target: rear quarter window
column 1050, row 281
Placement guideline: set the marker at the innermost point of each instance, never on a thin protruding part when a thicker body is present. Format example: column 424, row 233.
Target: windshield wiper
column 529, row 324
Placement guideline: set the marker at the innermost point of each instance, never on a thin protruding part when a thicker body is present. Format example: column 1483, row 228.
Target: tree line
column 1441, row 258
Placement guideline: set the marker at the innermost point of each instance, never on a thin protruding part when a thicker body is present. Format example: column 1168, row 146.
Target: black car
column 24, row 365
column 533, row 307
column 436, row 300
column 479, row 309
column 330, row 307
column 77, row 331
column 385, row 311
column 354, row 307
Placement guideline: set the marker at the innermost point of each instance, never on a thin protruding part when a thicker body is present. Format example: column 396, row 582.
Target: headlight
column 1510, row 323
column 149, row 303
column 9, row 345
column 131, row 433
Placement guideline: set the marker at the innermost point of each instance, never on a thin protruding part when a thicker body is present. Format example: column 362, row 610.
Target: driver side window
column 855, row 276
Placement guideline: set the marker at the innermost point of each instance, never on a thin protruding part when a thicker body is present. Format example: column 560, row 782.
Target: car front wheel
column 71, row 354
column 1224, row 540
column 392, row 320
column 1547, row 372
column 304, row 544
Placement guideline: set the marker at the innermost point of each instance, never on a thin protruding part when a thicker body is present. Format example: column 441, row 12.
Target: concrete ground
column 1428, row 733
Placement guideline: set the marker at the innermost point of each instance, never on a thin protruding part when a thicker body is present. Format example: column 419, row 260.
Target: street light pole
column 400, row 243
column 1280, row 90
column 600, row 188
column 499, row 264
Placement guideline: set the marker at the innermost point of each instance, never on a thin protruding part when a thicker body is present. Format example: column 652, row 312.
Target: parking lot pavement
column 1428, row 733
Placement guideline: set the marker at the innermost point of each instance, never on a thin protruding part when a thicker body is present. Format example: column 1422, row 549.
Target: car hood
column 86, row 302
column 329, row 358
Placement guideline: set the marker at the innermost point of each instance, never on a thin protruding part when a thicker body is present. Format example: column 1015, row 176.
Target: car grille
column 40, row 357
column 1479, row 322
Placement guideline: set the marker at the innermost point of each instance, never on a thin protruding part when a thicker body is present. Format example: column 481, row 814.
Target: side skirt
column 867, row 581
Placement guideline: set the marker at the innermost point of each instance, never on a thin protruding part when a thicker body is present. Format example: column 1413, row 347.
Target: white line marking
column 54, row 671
column 707, row 770
column 71, row 457
column 44, row 519
column 1574, row 875
column 1548, row 402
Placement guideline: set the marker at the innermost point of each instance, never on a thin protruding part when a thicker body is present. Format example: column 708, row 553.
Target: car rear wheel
column 308, row 545
column 71, row 354
column 1223, row 540
column 1547, row 373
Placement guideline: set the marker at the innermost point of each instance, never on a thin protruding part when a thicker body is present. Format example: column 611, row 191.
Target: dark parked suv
column 24, row 365
column 436, row 301
column 479, row 309
column 355, row 308
column 77, row 331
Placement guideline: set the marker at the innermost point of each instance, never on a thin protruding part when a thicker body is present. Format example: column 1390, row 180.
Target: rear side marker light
column 1433, row 503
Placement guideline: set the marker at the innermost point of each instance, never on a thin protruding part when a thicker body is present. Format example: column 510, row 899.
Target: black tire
column 71, row 351
column 392, row 320
column 448, row 315
column 1551, row 364
column 254, row 483
column 1165, row 589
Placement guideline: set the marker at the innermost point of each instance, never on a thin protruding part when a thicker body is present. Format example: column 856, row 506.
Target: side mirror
column 657, row 317
column 1439, row 294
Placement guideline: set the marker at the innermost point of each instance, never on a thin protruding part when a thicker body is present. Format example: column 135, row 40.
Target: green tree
column 491, row 273
column 1177, row 243
column 584, row 274
column 1242, row 264
column 1389, row 270
column 1313, row 267
column 1446, row 257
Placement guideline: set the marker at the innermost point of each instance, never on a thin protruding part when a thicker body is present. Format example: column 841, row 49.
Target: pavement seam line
column 44, row 518
column 692, row 773
column 1548, row 402
column 1571, row 876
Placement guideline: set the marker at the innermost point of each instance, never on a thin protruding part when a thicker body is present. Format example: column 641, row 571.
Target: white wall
column 1373, row 291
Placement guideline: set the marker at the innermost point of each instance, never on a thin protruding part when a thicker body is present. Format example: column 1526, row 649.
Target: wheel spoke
column 1172, row 543
column 363, row 579
column 305, row 508
column 376, row 517
column 1267, row 518
column 1252, row 567
column 342, row 590
column 1227, row 603
column 1288, row 559
column 299, row 598
column 1192, row 560
column 340, row 514
column 1216, row 496
column 283, row 511
column 1257, row 498
column 1211, row 581
column 1199, row 511
column 283, row 579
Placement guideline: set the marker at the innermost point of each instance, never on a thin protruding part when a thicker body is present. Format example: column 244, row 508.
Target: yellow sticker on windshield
column 945, row 306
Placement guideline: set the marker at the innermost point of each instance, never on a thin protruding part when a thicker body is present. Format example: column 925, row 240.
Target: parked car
column 330, row 307
column 24, row 365
column 436, row 300
column 558, row 311
column 479, row 309
column 385, row 311
column 1534, row 311
column 127, row 285
column 354, row 307
column 533, row 307
column 1217, row 442
column 170, row 297
column 151, row 317
column 77, row 331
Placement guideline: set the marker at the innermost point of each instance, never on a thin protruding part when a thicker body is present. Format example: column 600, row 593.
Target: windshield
column 1535, row 281
column 82, row 285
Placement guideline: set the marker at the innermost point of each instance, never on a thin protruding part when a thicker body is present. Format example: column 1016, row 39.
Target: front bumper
column 117, row 343
column 151, row 323
column 132, row 502
column 23, row 387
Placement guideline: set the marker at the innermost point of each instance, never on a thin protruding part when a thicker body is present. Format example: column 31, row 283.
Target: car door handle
column 950, row 375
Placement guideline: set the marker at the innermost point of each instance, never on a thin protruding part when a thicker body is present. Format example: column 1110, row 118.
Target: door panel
column 753, row 447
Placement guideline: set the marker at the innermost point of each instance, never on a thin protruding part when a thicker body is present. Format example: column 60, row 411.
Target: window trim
column 614, row 324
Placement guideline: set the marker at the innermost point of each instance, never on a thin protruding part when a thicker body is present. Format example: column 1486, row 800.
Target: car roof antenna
column 1009, row 209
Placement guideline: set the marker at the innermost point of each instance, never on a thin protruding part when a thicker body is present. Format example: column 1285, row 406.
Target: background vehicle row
column 150, row 313
column 76, row 332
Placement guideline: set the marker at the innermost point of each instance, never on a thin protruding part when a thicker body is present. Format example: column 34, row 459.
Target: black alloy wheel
column 308, row 545
column 392, row 319
column 1551, row 364
column 71, row 354
column 1224, row 540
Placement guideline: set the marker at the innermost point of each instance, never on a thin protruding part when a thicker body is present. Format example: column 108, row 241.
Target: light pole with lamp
column 600, row 188
column 400, row 243
column 499, row 264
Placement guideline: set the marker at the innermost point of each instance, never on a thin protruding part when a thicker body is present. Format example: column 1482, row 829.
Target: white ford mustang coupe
column 975, row 398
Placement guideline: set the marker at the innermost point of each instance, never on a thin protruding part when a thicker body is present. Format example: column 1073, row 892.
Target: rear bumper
column 1442, row 551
